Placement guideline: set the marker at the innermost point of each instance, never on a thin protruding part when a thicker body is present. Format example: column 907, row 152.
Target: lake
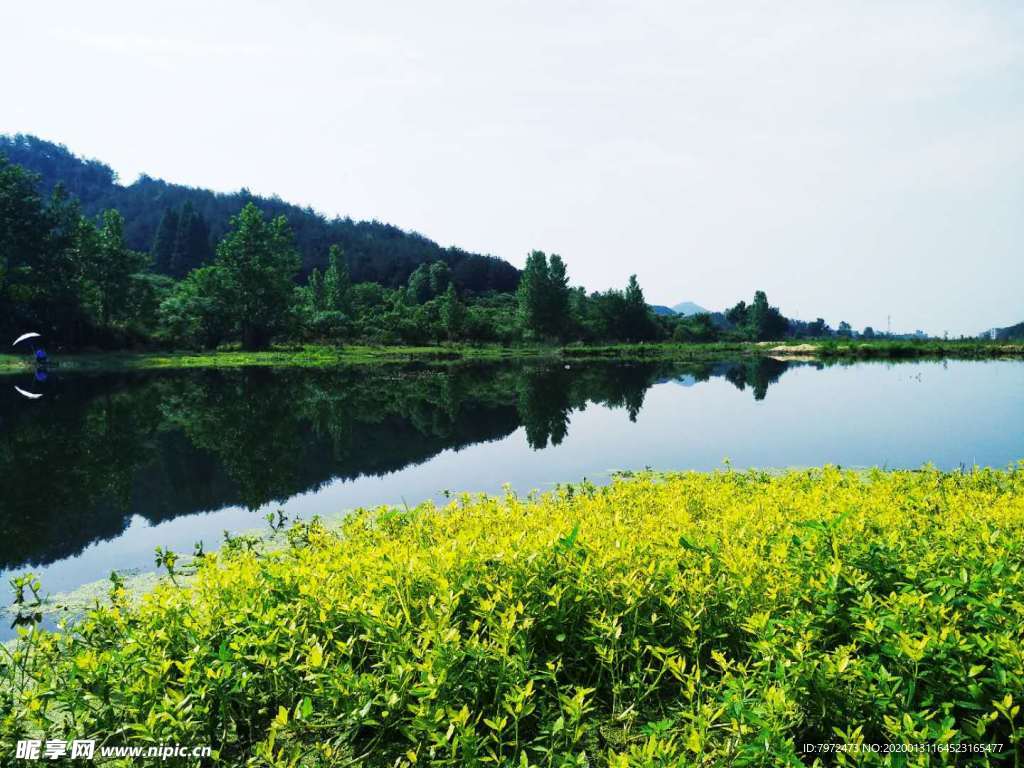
column 105, row 467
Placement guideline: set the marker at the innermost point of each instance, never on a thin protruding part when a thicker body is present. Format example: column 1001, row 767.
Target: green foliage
column 721, row 619
column 109, row 270
column 257, row 261
column 60, row 273
column 337, row 285
column 543, row 297
column 759, row 321
column 164, row 241
column 453, row 313
column 194, row 315
column 85, row 285
column 377, row 251
column 695, row 328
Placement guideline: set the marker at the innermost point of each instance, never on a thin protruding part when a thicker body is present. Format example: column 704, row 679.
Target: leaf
column 316, row 656
column 567, row 542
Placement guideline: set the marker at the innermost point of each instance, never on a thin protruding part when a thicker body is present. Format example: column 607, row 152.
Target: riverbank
column 731, row 615
column 316, row 356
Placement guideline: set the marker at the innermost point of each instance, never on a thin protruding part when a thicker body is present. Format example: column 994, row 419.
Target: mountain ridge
column 375, row 251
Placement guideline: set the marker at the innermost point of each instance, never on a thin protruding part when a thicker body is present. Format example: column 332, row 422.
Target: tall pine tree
column 165, row 241
column 192, row 242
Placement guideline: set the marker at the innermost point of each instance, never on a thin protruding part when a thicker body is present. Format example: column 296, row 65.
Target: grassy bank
column 326, row 356
column 711, row 619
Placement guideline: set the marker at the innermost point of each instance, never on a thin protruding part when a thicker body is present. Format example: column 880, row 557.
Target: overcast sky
column 853, row 159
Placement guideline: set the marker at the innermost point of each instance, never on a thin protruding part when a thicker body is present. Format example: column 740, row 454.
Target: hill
column 688, row 308
column 375, row 251
column 1010, row 333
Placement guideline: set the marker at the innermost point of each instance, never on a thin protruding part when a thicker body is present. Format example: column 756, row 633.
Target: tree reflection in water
column 101, row 448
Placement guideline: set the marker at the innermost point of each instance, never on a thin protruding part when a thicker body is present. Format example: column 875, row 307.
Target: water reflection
column 100, row 449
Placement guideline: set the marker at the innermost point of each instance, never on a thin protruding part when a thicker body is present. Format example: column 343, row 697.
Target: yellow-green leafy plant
column 679, row 619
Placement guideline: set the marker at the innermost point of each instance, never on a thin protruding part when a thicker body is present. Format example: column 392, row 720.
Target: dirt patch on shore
column 793, row 350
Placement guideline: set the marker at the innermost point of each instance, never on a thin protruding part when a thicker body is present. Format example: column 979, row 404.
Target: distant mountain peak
column 688, row 308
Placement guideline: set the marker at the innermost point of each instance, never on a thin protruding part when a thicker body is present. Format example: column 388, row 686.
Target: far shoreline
column 324, row 355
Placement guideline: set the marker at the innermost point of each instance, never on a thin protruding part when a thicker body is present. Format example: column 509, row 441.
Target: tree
column 845, row 330
column 417, row 289
column 543, row 296
column 695, row 328
column 531, row 293
column 259, row 263
column 315, row 291
column 869, row 332
column 337, row 283
column 737, row 315
column 24, row 228
column 165, row 241
column 818, row 328
column 453, row 313
column 109, row 268
column 759, row 321
column 191, row 243
column 636, row 322
column 440, row 277
column 557, row 309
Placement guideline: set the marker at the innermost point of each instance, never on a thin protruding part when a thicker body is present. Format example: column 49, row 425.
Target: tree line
column 189, row 221
column 75, row 278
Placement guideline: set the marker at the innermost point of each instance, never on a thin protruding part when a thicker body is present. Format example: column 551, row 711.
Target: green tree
column 453, row 313
column 818, row 328
column 259, row 263
column 557, row 309
column 191, row 242
column 109, row 269
column 759, row 321
column 695, row 328
column 417, row 288
column 196, row 314
column 315, row 291
column 24, row 229
column 440, row 277
column 337, row 282
column 543, row 296
column 531, row 293
column 738, row 314
column 164, row 242
column 636, row 322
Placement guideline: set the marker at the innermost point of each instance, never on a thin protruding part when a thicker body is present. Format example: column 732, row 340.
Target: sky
column 855, row 160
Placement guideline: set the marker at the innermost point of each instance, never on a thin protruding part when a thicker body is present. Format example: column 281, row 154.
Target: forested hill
column 179, row 224
column 1010, row 333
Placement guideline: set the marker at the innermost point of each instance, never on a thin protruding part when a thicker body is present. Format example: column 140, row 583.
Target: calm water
column 103, row 468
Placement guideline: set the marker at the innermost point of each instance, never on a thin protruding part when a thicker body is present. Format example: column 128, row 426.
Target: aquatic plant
column 683, row 619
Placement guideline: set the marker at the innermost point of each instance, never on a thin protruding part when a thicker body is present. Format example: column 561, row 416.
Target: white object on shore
column 24, row 336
